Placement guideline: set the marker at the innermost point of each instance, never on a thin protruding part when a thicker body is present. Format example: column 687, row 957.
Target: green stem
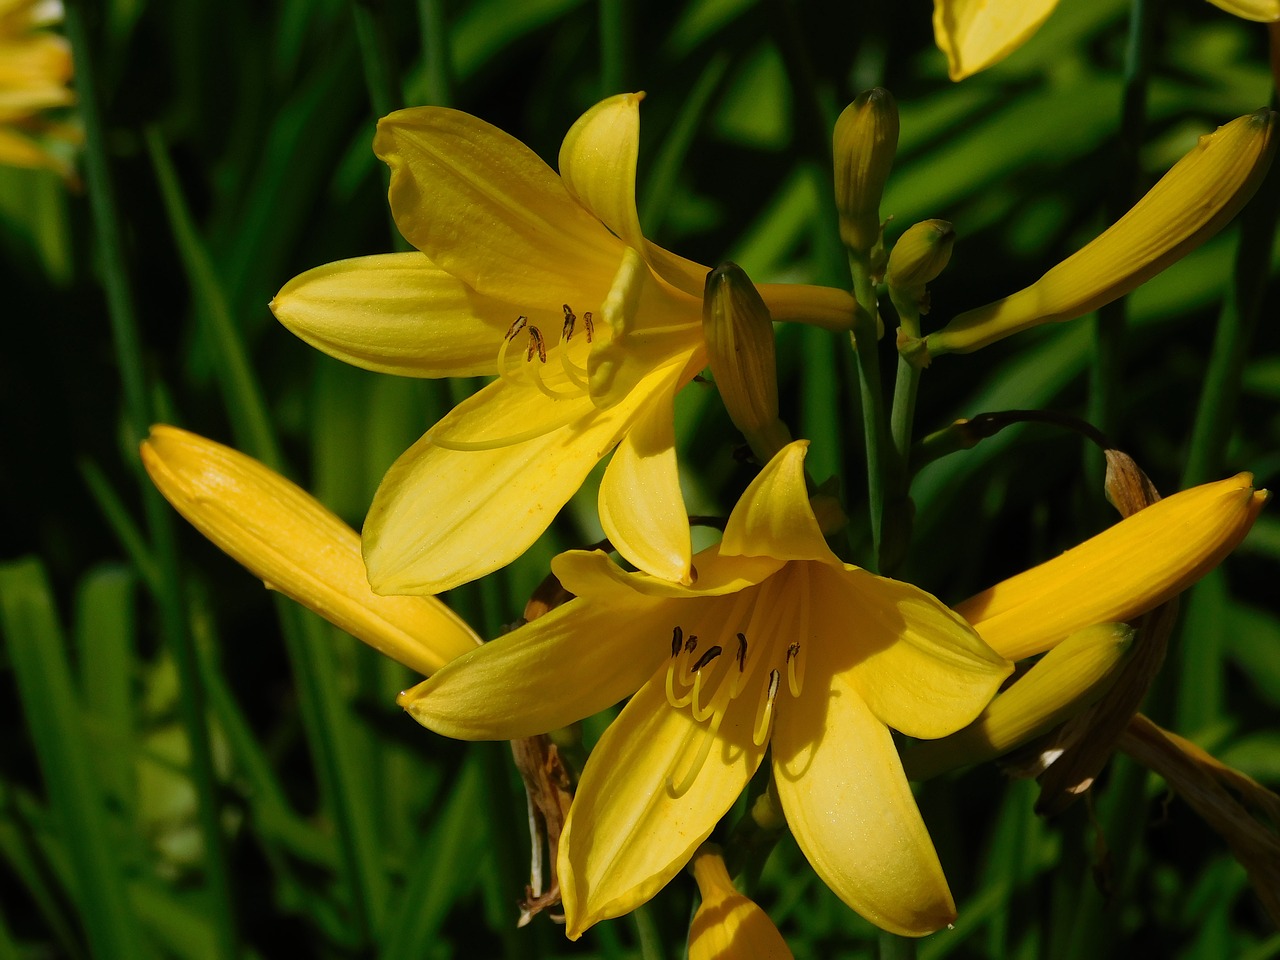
column 376, row 56
column 873, row 416
column 435, row 50
column 169, row 598
column 613, row 47
column 648, row 934
column 894, row 947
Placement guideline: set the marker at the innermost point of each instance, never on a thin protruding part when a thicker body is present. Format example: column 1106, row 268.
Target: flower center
column 753, row 648
column 557, row 368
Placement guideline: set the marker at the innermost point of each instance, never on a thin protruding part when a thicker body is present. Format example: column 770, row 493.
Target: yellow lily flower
column 297, row 546
column 975, row 34
column 776, row 643
column 727, row 925
column 35, row 68
column 548, row 283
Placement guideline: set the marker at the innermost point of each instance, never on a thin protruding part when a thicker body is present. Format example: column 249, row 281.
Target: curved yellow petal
column 592, row 574
column 918, row 666
column 628, row 832
column 482, row 206
column 19, row 151
column 502, row 414
column 290, row 540
column 824, row 307
column 773, row 518
column 727, row 925
column 568, row 664
column 598, row 164
column 974, row 34
column 1190, row 203
column 1260, row 11
column 444, row 516
column 395, row 313
column 1130, row 567
column 641, row 508
column 848, row 804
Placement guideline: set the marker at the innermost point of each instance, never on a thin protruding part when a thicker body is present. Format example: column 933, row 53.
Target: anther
column 711, row 654
column 691, row 644
column 516, row 327
column 792, row 651
column 569, row 319
column 591, row 327
column 677, row 641
column 742, row 653
column 536, row 345
column 764, row 713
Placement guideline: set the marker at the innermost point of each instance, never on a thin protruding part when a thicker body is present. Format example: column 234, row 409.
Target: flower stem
column 873, row 415
column 894, row 947
column 613, row 47
column 435, row 51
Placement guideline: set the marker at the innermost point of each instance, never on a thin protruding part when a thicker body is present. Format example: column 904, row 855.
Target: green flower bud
column 865, row 139
column 739, row 337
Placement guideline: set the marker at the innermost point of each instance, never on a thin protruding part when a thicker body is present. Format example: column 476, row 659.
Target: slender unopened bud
column 727, row 925
column 739, row 336
column 1191, row 203
column 1123, row 572
column 1067, row 679
column 298, row 547
column 920, row 254
column 865, row 140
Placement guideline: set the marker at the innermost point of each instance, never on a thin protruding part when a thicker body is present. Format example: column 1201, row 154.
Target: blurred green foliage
column 190, row 769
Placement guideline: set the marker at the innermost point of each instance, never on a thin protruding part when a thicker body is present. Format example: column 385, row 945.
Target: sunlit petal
column 974, row 34
column 485, row 208
column 1262, row 11
column 568, row 664
column 628, row 833
column 591, row 574
column 773, row 517
column 848, row 804
column 598, row 164
column 728, row 926
column 920, row 668
column 395, row 313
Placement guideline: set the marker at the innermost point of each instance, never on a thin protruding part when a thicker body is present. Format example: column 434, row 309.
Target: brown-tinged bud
column 739, row 336
column 865, row 140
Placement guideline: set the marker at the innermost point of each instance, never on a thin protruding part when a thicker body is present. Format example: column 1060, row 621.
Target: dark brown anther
column 591, row 327
column 711, row 654
column 566, row 331
column 677, row 641
column 691, row 644
column 516, row 327
column 742, row 652
column 792, row 651
column 536, row 345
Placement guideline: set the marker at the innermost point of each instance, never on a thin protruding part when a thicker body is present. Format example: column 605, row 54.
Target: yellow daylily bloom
column 975, row 34
column 548, row 283
column 1193, row 201
column 297, row 546
column 35, row 68
column 1124, row 571
column 776, row 643
column 727, row 925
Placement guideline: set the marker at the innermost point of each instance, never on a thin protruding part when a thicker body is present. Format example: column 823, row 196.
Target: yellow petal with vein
column 727, row 925
column 1260, row 11
column 484, row 207
column 1124, row 571
column 628, row 833
column 919, row 668
column 598, row 164
column 568, row 664
column 974, row 34
column 773, row 517
column 1191, row 203
column 592, row 574
column 290, row 540
column 850, row 808
column 395, row 313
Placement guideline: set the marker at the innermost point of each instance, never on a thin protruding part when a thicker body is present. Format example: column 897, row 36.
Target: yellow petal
column 1130, row 567
column 918, row 667
column 628, row 833
column 395, row 313
column 1063, row 682
column 288, row 538
column 728, row 926
column 773, row 517
column 1261, row 11
column 974, row 34
column 849, row 806
column 592, row 574
column 598, row 164
column 1191, row 203
column 824, row 307
column 442, row 516
column 482, row 206
column 19, row 151
column 568, row 664
column 641, row 508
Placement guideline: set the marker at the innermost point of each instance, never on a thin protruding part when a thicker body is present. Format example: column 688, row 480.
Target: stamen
column 517, row 325
column 677, row 641
column 536, row 345
column 704, row 751
column 691, row 644
column 566, row 332
column 711, row 654
column 742, row 653
column 795, row 677
column 795, row 662
column 681, row 701
column 590, row 327
column 512, row 332
column 764, row 713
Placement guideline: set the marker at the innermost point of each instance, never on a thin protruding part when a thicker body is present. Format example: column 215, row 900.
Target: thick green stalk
column 128, row 352
column 435, row 52
column 376, row 56
column 613, row 47
column 865, row 347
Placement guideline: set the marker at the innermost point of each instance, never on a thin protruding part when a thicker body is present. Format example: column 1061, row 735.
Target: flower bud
column 739, row 336
column 1067, row 679
column 920, row 254
column 865, row 139
column 727, row 924
column 298, row 547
